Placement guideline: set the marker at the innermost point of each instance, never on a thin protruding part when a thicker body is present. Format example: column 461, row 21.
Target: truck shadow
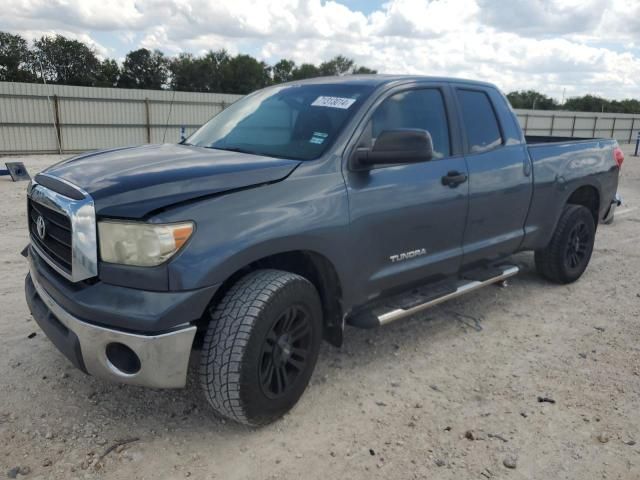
column 185, row 413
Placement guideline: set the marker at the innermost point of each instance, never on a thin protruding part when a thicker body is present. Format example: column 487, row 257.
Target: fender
column 302, row 213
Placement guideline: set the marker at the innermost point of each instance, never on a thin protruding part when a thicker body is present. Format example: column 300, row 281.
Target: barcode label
column 333, row 102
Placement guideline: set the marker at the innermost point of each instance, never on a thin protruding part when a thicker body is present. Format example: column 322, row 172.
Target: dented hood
column 132, row 182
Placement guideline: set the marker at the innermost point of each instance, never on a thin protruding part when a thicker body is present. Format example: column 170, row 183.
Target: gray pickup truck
column 301, row 208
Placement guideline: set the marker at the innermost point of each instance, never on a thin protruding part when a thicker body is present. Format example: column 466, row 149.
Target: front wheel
column 261, row 346
column 566, row 257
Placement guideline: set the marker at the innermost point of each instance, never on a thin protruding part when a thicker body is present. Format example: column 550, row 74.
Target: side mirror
column 408, row 145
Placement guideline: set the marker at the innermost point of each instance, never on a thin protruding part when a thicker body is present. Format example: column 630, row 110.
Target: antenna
column 168, row 116
column 53, row 114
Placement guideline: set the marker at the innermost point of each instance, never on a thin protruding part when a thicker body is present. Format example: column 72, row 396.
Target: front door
column 407, row 225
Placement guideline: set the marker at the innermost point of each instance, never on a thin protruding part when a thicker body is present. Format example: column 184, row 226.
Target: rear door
column 500, row 181
column 406, row 224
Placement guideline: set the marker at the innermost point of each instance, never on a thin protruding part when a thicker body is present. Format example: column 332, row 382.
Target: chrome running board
column 383, row 315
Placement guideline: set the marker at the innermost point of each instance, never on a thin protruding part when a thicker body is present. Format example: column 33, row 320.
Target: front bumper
column 162, row 359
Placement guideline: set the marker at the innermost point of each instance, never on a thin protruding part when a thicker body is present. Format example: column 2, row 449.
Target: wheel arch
column 313, row 266
column 588, row 196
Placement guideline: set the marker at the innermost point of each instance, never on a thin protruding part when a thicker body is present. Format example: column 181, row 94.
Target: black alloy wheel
column 285, row 351
column 578, row 244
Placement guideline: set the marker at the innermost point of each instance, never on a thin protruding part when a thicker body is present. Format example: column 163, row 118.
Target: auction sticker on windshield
column 333, row 102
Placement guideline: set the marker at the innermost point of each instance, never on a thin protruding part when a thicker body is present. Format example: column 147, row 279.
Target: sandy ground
column 451, row 394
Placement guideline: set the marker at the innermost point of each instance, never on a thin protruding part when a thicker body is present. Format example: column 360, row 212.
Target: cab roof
column 377, row 80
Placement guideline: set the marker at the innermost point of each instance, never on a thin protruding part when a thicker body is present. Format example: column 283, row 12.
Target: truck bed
column 541, row 139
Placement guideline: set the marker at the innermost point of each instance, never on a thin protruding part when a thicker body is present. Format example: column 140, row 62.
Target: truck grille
column 56, row 241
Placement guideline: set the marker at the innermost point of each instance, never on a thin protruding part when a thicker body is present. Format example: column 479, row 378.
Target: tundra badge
column 408, row 255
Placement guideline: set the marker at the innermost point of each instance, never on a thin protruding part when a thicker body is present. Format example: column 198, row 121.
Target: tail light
column 618, row 156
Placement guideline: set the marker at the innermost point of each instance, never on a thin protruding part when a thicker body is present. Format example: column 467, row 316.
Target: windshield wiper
column 234, row 149
column 250, row 152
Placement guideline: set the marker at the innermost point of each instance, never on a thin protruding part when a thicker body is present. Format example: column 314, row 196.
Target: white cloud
column 583, row 46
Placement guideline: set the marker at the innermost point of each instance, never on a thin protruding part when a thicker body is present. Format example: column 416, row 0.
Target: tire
column 261, row 346
column 566, row 257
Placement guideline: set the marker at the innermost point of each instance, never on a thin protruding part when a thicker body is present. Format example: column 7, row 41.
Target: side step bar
column 383, row 315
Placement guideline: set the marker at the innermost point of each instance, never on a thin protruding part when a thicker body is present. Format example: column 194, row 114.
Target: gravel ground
column 452, row 394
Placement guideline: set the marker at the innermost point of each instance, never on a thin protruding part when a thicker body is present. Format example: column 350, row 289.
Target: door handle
column 453, row 179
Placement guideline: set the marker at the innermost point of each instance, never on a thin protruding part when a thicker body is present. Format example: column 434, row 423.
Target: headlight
column 141, row 244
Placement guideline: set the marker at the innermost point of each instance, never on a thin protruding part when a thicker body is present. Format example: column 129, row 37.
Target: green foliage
column 198, row 74
column 629, row 105
column 15, row 59
column 143, row 68
column 283, row 71
column 64, row 61
column 587, row 103
column 306, row 70
column 72, row 62
column 108, row 73
column 243, row 74
column 363, row 70
column 592, row 103
column 336, row 66
column 531, row 99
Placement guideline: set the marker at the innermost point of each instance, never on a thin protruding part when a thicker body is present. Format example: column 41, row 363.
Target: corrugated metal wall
column 87, row 118
column 623, row 127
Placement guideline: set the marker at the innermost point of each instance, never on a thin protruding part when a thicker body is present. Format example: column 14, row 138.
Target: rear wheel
column 261, row 346
column 566, row 257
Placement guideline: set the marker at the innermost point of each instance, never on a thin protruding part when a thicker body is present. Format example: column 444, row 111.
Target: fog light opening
column 123, row 358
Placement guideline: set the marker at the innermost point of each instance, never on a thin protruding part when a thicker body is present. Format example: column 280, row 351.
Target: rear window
column 480, row 122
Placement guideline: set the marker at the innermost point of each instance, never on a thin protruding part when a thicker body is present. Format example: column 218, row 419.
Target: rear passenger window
column 481, row 124
column 423, row 109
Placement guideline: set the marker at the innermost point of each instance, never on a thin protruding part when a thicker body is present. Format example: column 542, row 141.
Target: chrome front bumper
column 163, row 359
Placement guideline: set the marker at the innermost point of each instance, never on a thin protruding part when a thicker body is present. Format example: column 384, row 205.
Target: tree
column 143, row 68
column 306, row 70
column 199, row 74
column 587, row 103
column 14, row 59
column 108, row 73
column 530, row 99
column 215, row 63
column 64, row 61
column 336, row 66
column 244, row 74
column 363, row 70
column 186, row 75
column 283, row 71
column 628, row 105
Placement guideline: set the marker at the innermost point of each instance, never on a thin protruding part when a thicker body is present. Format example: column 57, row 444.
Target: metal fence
column 621, row 126
column 46, row 119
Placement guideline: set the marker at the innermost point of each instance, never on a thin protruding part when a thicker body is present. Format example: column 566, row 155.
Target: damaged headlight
column 141, row 244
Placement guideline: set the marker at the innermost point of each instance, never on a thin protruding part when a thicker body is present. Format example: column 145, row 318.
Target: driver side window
column 423, row 109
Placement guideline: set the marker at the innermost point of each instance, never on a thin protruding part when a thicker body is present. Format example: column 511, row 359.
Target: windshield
column 289, row 121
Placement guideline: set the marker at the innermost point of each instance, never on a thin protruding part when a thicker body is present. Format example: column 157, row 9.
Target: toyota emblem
column 41, row 227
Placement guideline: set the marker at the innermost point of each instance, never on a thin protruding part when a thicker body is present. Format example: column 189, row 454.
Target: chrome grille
column 56, row 241
column 63, row 230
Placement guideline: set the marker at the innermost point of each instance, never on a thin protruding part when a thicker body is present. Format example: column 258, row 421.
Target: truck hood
column 131, row 182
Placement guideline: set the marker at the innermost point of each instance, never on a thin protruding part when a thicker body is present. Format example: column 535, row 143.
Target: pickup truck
column 299, row 209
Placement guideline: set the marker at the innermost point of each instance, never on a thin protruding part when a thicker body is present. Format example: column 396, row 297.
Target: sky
column 558, row 47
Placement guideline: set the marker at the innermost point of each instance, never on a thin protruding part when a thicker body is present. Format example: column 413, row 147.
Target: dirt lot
column 450, row 394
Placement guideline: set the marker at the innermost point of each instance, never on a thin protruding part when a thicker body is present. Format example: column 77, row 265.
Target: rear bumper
column 616, row 202
column 161, row 360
